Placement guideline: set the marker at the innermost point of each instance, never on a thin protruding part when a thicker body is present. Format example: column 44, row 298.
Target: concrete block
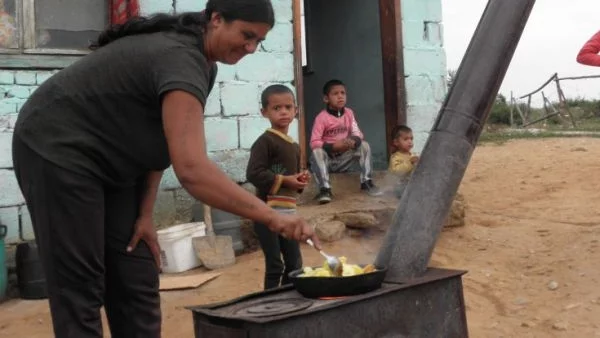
column 26, row 78
column 169, row 180
column 182, row 6
column 424, row 62
column 32, row 89
column 6, row 150
column 27, row 232
column 422, row 117
column 18, row 91
column 226, row 72
column 213, row 103
column 233, row 163
column 41, row 77
column 283, row 10
column 294, row 130
column 7, row 77
column 10, row 194
column 240, row 98
column 413, row 32
column 221, row 134
column 267, row 67
column 10, row 218
column 423, row 89
column 149, row 7
column 280, row 38
column 433, row 10
column 434, row 34
column 7, row 107
column 250, row 129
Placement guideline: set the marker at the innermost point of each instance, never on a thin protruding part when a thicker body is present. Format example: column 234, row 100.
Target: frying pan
column 318, row 287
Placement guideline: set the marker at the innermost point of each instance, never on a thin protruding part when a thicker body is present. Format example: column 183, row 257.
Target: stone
column 560, row 326
column 357, row 220
column 330, row 231
column 552, row 285
column 456, row 217
column 169, row 180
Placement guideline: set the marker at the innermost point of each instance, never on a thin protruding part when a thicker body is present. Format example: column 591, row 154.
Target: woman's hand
column 293, row 227
column 144, row 230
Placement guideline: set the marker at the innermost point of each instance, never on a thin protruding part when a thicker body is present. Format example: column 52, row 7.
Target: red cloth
column 121, row 10
column 588, row 55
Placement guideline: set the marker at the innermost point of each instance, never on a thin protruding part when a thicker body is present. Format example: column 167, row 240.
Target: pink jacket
column 329, row 129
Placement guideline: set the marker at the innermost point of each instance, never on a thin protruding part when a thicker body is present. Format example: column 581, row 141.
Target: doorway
column 342, row 39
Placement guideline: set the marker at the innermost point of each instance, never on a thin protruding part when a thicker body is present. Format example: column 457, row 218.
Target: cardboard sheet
column 178, row 282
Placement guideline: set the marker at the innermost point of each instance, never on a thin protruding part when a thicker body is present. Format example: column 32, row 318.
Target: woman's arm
column 184, row 130
column 149, row 194
column 588, row 55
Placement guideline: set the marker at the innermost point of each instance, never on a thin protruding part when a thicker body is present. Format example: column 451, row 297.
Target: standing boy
column 402, row 161
column 274, row 169
column 337, row 143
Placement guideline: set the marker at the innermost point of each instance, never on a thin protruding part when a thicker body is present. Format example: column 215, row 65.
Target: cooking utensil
column 213, row 251
column 319, row 287
column 335, row 265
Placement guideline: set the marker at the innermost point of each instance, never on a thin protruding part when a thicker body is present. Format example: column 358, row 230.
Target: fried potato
column 347, row 270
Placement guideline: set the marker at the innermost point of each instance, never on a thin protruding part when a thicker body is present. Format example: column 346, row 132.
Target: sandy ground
column 531, row 245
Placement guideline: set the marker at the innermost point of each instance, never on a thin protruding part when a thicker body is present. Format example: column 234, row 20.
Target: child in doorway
column 337, row 143
column 274, row 169
column 402, row 161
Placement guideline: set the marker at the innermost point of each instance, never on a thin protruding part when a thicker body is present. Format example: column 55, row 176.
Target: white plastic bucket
column 177, row 252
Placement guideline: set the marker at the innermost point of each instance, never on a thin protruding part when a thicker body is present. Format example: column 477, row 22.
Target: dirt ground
column 530, row 244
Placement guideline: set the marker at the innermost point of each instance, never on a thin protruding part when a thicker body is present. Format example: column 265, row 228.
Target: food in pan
column 348, row 270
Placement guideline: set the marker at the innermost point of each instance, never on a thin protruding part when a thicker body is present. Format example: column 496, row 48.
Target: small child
column 337, row 143
column 274, row 169
column 402, row 161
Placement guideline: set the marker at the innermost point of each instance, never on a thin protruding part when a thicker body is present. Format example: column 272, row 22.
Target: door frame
column 394, row 88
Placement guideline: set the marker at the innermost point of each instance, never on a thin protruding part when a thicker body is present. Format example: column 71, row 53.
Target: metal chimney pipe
column 418, row 220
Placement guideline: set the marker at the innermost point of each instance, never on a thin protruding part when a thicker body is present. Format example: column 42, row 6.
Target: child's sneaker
column 324, row 196
column 370, row 188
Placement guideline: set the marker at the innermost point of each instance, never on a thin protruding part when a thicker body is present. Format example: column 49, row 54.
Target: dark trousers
column 275, row 247
column 82, row 229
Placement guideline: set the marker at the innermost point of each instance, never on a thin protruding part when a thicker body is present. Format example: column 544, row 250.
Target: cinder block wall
column 232, row 123
column 424, row 65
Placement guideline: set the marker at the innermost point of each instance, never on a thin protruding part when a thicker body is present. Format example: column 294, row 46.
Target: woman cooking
column 89, row 148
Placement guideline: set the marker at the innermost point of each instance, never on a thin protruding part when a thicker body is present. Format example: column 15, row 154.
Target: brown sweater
column 272, row 156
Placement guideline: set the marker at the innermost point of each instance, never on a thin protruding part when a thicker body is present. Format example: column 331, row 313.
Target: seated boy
column 402, row 161
column 274, row 169
column 337, row 143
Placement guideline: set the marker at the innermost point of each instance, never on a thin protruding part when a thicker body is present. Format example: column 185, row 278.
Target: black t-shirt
column 102, row 115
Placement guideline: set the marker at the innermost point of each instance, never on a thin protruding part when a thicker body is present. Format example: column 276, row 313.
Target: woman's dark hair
column 190, row 23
